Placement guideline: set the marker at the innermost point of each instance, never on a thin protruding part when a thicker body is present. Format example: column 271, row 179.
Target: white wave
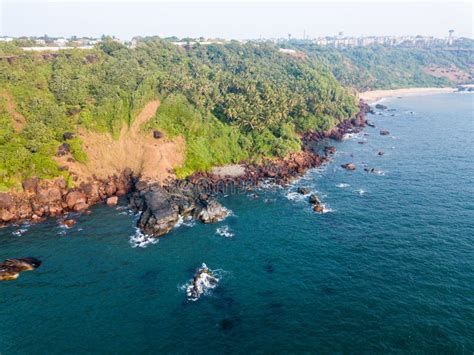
column 361, row 192
column 342, row 185
column 141, row 240
column 189, row 222
column 204, row 281
column 229, row 213
column 295, row 196
column 19, row 232
column 125, row 211
column 225, row 231
column 327, row 209
column 347, row 136
column 22, row 229
column 268, row 184
column 179, row 222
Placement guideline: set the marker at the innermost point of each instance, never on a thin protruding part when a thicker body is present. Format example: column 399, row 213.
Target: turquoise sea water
column 389, row 268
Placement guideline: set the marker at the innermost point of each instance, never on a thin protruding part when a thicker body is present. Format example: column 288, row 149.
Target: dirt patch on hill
column 19, row 121
column 451, row 73
column 153, row 158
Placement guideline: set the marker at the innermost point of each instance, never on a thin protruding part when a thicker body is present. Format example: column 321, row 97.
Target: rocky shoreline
column 51, row 198
column 162, row 207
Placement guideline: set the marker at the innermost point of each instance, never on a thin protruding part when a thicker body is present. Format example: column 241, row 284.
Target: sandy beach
column 375, row 95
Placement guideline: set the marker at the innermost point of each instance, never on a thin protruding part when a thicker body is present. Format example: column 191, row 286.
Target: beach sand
column 376, row 95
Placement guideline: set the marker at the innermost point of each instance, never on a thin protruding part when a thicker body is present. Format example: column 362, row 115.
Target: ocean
column 388, row 268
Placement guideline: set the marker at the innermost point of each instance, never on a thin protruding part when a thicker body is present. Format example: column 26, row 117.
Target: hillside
column 228, row 102
column 381, row 67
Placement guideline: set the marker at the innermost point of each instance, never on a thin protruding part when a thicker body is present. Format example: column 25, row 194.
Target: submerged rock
column 330, row 149
column 10, row 269
column 372, row 170
column 370, row 124
column 68, row 222
column 380, row 153
column 349, row 166
column 384, row 132
column 380, row 107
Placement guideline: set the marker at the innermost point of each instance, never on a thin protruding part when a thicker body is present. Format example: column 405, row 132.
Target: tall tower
column 450, row 38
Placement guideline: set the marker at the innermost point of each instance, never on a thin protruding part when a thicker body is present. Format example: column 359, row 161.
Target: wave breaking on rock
column 203, row 283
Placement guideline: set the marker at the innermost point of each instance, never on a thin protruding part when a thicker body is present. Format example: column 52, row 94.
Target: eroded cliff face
column 151, row 156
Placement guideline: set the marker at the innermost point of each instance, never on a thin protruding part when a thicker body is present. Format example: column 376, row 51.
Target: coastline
column 373, row 96
column 164, row 203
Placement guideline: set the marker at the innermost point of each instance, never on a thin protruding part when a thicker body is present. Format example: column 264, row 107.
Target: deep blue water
column 388, row 270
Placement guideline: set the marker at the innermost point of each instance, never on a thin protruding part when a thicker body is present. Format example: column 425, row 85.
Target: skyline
column 232, row 20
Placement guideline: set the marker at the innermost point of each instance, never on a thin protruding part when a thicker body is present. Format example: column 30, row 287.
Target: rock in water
column 10, row 269
column 314, row 200
column 380, row 107
column 203, row 280
column 349, row 166
column 370, row 124
column 68, row 223
column 303, row 190
column 384, row 132
column 318, row 208
column 210, row 211
column 112, row 201
column 329, row 150
column 158, row 216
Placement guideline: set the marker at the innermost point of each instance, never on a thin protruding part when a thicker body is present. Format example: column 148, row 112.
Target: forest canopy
column 231, row 102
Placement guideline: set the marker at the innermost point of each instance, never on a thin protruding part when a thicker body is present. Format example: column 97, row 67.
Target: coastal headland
column 164, row 202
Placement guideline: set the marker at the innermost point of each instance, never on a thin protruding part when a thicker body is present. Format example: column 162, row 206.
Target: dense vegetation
column 380, row 67
column 231, row 102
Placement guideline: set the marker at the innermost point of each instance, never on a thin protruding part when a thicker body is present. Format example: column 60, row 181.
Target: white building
column 6, row 39
column 60, row 42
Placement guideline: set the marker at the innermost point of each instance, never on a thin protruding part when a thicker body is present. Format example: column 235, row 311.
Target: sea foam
column 225, row 232
column 141, row 240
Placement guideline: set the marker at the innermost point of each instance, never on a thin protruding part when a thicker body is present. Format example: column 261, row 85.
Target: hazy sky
column 231, row 19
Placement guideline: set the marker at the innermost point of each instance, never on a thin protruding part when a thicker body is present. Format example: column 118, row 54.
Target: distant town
column 338, row 41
